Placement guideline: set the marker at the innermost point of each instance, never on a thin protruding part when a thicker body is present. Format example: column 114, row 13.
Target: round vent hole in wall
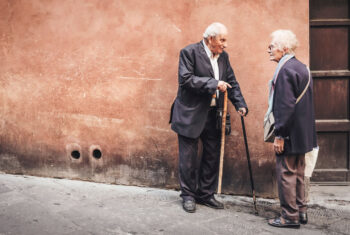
column 97, row 153
column 75, row 154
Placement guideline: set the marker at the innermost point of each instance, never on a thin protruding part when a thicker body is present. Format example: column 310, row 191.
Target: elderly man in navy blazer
column 291, row 101
column 204, row 74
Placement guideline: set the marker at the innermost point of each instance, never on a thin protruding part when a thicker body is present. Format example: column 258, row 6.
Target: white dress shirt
column 214, row 64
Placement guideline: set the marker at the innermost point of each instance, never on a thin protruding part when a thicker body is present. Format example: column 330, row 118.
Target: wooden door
column 329, row 62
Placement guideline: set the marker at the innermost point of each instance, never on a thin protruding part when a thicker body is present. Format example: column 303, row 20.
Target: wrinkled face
column 218, row 43
column 275, row 54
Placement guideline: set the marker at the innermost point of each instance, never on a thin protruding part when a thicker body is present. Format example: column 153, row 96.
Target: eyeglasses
column 271, row 47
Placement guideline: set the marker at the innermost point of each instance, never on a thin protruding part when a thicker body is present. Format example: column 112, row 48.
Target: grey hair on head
column 285, row 40
column 214, row 29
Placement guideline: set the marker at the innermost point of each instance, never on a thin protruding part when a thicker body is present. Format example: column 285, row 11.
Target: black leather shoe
column 189, row 206
column 303, row 217
column 284, row 223
column 212, row 202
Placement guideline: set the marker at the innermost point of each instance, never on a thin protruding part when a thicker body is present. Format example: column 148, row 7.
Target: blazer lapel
column 221, row 67
column 206, row 59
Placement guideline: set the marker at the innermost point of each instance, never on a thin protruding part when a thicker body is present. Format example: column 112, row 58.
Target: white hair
column 214, row 29
column 285, row 40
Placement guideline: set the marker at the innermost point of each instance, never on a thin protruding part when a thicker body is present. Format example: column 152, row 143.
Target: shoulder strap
column 307, row 85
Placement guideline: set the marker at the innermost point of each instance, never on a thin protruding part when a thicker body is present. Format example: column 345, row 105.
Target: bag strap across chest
column 307, row 85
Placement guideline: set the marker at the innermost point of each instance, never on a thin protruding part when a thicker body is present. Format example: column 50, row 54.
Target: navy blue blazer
column 294, row 122
column 196, row 87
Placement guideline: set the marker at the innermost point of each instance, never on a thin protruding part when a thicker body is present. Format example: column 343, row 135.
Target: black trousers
column 208, row 169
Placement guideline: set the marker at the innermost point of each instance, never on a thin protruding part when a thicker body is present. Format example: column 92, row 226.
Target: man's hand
column 222, row 86
column 278, row 145
column 242, row 111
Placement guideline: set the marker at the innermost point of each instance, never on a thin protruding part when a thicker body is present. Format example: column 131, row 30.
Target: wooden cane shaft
column 222, row 148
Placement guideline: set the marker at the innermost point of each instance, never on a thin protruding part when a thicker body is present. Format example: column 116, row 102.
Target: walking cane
column 249, row 165
column 222, row 148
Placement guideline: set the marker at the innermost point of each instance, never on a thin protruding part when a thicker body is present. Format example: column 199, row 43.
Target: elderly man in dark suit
column 291, row 102
column 204, row 74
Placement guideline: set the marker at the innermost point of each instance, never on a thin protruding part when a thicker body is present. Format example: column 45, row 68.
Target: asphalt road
column 34, row 205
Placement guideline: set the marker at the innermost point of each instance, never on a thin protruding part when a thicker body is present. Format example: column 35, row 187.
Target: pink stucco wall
column 84, row 75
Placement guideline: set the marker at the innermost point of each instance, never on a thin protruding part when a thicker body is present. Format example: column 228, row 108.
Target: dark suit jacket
column 196, row 88
column 294, row 121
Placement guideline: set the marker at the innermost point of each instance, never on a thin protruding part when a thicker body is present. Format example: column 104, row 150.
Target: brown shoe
column 281, row 222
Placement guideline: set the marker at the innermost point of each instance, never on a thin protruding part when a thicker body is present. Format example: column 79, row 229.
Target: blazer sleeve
column 284, row 102
column 234, row 93
column 187, row 78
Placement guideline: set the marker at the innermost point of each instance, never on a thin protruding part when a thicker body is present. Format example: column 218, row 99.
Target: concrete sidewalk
column 34, row 205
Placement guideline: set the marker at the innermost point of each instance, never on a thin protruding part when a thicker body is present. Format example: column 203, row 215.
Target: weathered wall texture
column 101, row 75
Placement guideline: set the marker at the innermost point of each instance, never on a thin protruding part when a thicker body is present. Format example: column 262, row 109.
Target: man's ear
column 210, row 39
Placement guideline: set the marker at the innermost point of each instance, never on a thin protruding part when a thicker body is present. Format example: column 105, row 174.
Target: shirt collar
column 208, row 51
